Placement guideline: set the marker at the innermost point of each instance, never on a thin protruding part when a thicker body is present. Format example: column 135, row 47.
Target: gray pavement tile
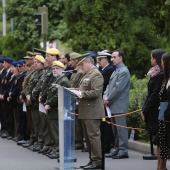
column 14, row 157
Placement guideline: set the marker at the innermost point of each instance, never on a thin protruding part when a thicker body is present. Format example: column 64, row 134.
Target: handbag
column 162, row 108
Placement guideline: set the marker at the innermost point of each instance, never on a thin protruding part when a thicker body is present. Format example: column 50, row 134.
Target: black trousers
column 6, row 115
column 108, row 136
column 21, row 123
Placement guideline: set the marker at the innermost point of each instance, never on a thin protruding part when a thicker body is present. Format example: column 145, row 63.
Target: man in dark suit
column 2, row 74
column 5, row 87
column 104, row 61
column 116, row 97
column 19, row 115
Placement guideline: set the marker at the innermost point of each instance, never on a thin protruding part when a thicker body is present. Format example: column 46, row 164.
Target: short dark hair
column 120, row 53
column 67, row 55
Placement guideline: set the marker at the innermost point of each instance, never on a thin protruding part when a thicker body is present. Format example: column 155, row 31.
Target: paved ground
column 13, row 157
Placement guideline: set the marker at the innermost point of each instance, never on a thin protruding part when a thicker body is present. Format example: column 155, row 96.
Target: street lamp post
column 4, row 17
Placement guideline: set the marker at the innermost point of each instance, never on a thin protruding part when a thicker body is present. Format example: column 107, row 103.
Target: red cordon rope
column 113, row 124
column 126, row 114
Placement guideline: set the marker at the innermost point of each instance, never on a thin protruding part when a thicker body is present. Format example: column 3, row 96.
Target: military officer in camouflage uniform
column 51, row 103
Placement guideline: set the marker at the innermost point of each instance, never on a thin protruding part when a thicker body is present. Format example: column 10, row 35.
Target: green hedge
column 138, row 92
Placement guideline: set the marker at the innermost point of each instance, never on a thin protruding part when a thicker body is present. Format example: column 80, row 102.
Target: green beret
column 74, row 55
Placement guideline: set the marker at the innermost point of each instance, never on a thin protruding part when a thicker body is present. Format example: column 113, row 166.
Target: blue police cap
column 15, row 63
column 21, row 62
column 92, row 54
column 8, row 60
column 1, row 59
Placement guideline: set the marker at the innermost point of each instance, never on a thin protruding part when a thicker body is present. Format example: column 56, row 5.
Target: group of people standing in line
column 156, row 109
column 27, row 83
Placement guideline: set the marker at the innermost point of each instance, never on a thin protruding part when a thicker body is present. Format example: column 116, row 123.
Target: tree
column 24, row 11
column 98, row 24
column 11, row 47
column 134, row 26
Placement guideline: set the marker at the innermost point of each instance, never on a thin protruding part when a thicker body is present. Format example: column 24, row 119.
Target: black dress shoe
column 84, row 150
column 21, row 142
column 35, row 149
column 9, row 137
column 27, row 145
column 47, row 152
column 120, row 157
column 33, row 146
column 15, row 139
column 54, row 155
column 5, row 135
column 85, row 165
column 44, row 149
column 93, row 167
column 79, row 147
column 1, row 132
column 109, row 155
column 51, row 153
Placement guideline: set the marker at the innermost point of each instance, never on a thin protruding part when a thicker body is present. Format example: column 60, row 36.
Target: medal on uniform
column 15, row 82
column 5, row 82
